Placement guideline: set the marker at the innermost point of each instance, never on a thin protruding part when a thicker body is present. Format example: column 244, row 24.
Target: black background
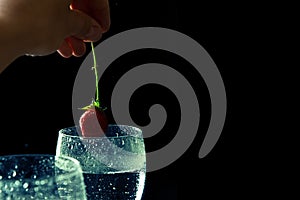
column 36, row 95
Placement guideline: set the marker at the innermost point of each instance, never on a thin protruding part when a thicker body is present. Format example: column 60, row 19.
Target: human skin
column 34, row 27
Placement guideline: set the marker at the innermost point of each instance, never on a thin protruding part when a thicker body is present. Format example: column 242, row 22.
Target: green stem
column 96, row 73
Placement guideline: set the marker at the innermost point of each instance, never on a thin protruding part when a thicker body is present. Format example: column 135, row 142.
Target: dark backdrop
column 36, row 95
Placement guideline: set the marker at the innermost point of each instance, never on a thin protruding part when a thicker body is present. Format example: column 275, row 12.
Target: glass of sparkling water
column 114, row 165
column 40, row 176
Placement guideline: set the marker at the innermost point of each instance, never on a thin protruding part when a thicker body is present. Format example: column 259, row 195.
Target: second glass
column 114, row 166
column 38, row 176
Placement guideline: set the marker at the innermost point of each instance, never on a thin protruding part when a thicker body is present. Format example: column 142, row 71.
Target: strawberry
column 93, row 122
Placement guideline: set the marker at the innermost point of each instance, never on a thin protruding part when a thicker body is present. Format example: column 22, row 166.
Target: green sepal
column 94, row 104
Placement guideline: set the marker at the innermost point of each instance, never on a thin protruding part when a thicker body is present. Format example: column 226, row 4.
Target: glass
column 114, row 166
column 37, row 176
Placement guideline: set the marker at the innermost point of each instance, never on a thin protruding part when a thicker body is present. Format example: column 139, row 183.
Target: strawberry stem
column 97, row 102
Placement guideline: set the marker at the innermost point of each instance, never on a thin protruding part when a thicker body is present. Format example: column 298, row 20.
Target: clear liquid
column 115, row 186
column 113, row 167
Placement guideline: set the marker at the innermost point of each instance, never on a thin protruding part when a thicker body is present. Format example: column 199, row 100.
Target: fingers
column 83, row 27
column 97, row 9
column 78, row 46
column 72, row 46
column 100, row 11
column 65, row 50
column 86, row 22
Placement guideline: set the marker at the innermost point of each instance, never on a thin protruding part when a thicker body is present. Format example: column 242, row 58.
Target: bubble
column 25, row 185
column 17, row 183
column 14, row 173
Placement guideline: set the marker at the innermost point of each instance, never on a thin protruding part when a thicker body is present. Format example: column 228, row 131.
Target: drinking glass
column 114, row 165
column 40, row 176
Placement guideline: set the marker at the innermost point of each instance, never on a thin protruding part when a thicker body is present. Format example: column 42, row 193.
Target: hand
column 41, row 27
column 99, row 11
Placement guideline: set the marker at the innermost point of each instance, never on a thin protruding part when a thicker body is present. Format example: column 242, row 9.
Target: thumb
column 82, row 26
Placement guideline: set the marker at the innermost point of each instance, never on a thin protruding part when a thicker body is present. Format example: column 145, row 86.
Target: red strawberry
column 93, row 123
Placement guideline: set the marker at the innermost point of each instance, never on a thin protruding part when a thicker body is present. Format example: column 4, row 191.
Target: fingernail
column 94, row 33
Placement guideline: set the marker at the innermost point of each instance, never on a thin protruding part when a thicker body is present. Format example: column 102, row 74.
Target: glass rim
column 140, row 135
column 66, row 175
